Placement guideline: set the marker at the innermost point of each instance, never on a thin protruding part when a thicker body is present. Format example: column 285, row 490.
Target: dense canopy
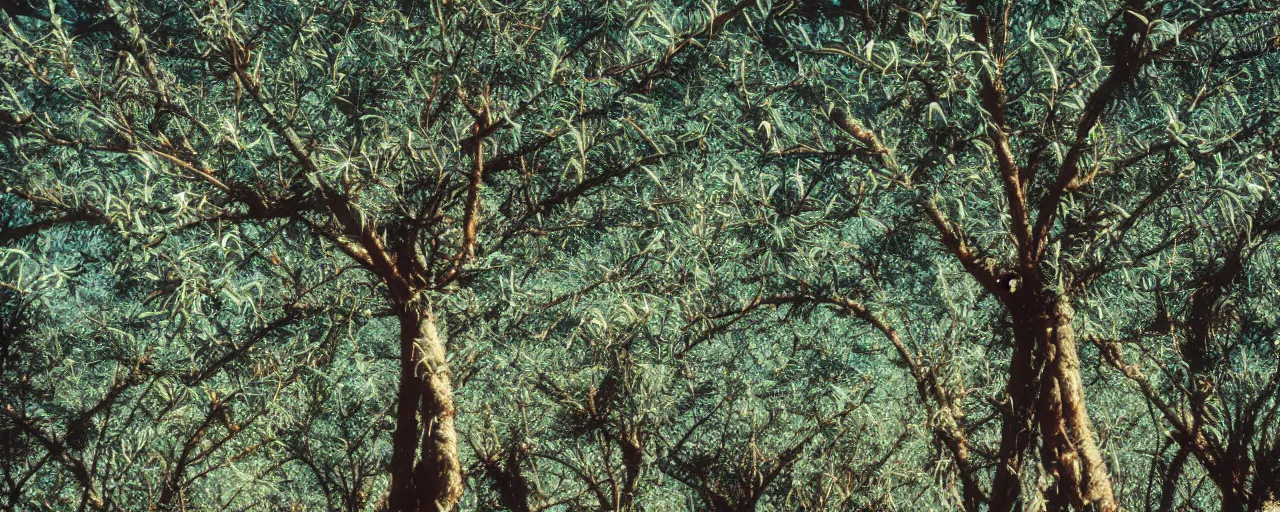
column 631, row 255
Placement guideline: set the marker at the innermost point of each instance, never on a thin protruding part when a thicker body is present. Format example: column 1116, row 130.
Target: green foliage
column 703, row 262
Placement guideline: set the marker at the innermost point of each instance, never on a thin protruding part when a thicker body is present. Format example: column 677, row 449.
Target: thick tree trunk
column 1046, row 391
column 1018, row 429
column 425, row 474
column 1069, row 449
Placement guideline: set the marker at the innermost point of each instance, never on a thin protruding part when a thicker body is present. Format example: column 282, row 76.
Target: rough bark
column 425, row 473
column 1070, row 448
column 1046, row 398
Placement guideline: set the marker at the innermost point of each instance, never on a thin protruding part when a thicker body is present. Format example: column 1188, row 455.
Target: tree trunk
column 1227, row 467
column 425, row 473
column 1018, row 429
column 1169, row 483
column 631, row 443
column 1069, row 449
column 1046, row 391
column 971, row 491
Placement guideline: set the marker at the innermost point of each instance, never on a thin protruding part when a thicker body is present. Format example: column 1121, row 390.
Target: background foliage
column 683, row 256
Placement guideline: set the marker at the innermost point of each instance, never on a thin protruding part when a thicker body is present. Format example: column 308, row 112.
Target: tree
column 628, row 255
column 1053, row 152
column 395, row 137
